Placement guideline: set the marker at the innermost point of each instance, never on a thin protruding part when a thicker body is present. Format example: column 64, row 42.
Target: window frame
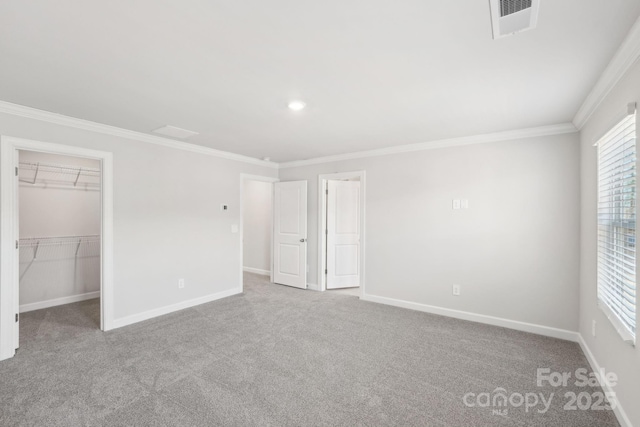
column 628, row 335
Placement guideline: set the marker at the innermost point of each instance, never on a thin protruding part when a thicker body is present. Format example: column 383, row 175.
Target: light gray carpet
column 278, row 356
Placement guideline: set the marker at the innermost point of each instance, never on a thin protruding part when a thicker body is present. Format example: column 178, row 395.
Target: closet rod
column 74, row 236
column 59, row 240
column 52, row 167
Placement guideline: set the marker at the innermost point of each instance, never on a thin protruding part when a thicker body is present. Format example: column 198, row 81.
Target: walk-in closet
column 59, row 229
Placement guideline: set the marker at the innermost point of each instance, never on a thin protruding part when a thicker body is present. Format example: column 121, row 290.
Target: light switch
column 456, row 204
column 234, row 228
column 464, row 204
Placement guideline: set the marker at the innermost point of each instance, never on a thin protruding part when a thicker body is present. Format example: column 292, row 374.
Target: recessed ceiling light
column 297, row 105
column 266, row 159
column 175, row 132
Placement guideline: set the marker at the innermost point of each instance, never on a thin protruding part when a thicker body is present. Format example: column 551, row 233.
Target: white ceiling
column 373, row 73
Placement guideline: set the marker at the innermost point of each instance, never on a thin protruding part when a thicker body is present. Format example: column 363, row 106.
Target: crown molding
column 624, row 58
column 558, row 129
column 59, row 119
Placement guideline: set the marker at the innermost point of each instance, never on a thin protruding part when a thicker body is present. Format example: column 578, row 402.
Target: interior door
column 343, row 234
column 290, row 234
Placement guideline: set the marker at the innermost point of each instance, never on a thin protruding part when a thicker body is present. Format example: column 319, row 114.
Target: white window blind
column 617, row 226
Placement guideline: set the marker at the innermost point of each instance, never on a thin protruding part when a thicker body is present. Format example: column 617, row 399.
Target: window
column 617, row 226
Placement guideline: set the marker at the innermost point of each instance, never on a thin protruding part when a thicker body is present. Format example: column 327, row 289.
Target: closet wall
column 60, row 219
column 257, row 212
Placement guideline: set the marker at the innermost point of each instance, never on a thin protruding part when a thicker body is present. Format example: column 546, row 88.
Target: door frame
column 248, row 177
column 322, row 216
column 9, row 233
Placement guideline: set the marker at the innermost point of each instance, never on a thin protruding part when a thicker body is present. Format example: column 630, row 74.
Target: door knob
column 303, row 240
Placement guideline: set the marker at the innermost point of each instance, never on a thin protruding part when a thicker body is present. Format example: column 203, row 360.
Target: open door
column 343, row 234
column 290, row 234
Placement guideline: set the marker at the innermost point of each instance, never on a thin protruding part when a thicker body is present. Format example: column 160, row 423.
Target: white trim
column 59, row 119
column 614, row 120
column 8, row 237
column 150, row 314
column 313, row 287
column 107, row 298
column 257, row 271
column 621, row 415
column 248, row 177
column 322, row 238
column 627, row 336
column 625, row 57
column 322, row 215
column 559, row 129
column 480, row 318
column 9, row 233
column 58, row 301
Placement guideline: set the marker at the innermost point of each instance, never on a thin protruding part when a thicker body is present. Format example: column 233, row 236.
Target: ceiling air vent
column 175, row 132
column 513, row 16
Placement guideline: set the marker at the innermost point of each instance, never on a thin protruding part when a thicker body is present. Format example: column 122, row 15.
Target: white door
column 290, row 234
column 343, row 234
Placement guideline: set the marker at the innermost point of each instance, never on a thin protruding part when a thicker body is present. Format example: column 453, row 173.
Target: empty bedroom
column 286, row 213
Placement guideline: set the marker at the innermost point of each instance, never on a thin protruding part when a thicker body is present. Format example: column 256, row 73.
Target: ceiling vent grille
column 507, row 7
column 509, row 17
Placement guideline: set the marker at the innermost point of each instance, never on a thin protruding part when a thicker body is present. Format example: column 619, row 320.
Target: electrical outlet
column 224, row 207
column 180, row 283
column 456, row 204
column 593, row 328
column 456, row 290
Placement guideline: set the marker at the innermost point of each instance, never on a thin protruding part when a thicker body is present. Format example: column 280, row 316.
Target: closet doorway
column 56, row 232
column 59, row 233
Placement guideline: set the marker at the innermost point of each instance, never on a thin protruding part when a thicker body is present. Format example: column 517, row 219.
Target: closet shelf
column 58, row 248
column 58, row 240
column 51, row 173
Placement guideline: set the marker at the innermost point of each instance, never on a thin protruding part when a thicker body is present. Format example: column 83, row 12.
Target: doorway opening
column 59, row 237
column 256, row 216
column 341, row 232
column 56, row 228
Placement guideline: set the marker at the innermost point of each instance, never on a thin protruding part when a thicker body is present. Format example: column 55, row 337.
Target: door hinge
column 326, row 271
column 16, row 171
column 17, row 317
column 326, row 231
column 326, row 191
column 16, row 244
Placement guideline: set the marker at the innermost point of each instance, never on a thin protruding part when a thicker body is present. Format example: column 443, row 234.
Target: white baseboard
column 480, row 318
column 257, row 271
column 621, row 415
column 58, row 301
column 150, row 314
column 313, row 287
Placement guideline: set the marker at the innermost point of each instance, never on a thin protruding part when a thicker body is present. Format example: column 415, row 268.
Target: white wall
column 257, row 212
column 58, row 210
column 515, row 251
column 607, row 346
column 167, row 218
